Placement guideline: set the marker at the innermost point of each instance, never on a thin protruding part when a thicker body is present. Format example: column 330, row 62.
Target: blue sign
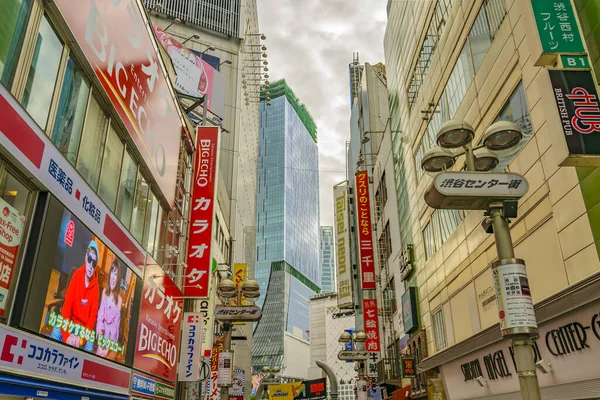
column 141, row 384
column 348, row 346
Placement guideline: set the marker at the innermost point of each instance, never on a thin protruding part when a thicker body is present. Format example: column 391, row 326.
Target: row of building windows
column 64, row 103
column 480, row 39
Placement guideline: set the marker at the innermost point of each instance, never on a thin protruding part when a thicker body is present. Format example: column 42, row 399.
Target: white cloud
column 310, row 44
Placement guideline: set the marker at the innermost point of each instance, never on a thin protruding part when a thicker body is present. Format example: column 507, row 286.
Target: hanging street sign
column 557, row 29
column 237, row 313
column 353, row 355
column 474, row 190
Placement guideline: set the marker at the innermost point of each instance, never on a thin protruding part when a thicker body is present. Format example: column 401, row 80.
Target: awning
column 25, row 387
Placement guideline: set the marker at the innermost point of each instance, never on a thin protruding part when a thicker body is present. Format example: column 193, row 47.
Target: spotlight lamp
column 345, row 337
column 502, row 135
column 454, row 134
column 365, row 139
column 176, row 21
column 485, row 160
column 436, row 160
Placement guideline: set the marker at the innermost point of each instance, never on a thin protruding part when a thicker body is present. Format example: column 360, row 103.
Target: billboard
column 190, row 358
column 157, row 344
column 195, row 77
column 240, row 274
column 89, row 294
column 365, row 231
column 577, row 102
column 315, row 389
column 11, row 232
column 371, row 317
column 120, row 49
column 342, row 246
column 23, row 353
column 197, row 280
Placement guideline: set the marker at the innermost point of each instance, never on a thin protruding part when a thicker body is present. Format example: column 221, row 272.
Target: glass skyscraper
column 288, row 267
column 327, row 260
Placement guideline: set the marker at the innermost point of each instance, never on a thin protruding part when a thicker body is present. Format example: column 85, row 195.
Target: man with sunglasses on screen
column 80, row 307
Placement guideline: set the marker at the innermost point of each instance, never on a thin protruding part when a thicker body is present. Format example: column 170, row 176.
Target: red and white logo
column 70, row 233
column 7, row 353
column 6, row 212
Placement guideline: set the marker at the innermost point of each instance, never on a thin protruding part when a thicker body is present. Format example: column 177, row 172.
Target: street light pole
column 498, row 206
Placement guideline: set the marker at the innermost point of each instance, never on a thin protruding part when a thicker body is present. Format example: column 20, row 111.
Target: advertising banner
column 315, row 389
column 25, row 354
column 342, row 246
column 225, row 368
column 577, row 101
column 160, row 324
column 151, row 387
column 11, row 232
column 204, row 191
column 21, row 136
column 240, row 274
column 190, row 358
column 195, row 77
column 118, row 46
column 89, row 294
column 365, row 231
column 284, row 391
column 515, row 305
column 237, row 386
column 214, row 367
column 371, row 317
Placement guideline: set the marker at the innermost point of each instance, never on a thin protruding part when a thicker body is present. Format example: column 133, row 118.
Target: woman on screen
column 109, row 314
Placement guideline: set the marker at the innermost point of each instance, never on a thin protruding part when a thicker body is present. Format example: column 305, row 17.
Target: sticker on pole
column 515, row 306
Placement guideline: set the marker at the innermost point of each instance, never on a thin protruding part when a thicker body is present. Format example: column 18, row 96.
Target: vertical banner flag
column 365, row 233
column 159, row 328
column 204, row 186
column 207, row 309
column 342, row 246
column 240, row 274
column 214, row 367
column 117, row 44
column 11, row 231
column 237, row 386
column 191, row 347
column 371, row 325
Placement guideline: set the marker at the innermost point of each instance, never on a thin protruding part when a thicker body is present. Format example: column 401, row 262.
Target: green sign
column 575, row 62
column 163, row 391
column 557, row 26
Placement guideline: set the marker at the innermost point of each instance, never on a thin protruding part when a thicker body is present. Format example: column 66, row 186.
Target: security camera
column 481, row 380
column 544, row 366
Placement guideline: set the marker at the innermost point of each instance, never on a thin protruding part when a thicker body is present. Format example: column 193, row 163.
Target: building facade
column 327, row 259
column 287, row 222
column 481, row 61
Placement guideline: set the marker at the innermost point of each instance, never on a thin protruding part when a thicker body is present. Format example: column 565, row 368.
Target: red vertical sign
column 204, row 186
column 365, row 235
column 371, row 318
column 160, row 324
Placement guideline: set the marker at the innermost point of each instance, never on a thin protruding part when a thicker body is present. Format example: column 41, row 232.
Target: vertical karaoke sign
column 204, row 186
column 365, row 232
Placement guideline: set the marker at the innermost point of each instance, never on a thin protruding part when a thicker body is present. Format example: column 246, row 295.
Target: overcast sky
column 310, row 44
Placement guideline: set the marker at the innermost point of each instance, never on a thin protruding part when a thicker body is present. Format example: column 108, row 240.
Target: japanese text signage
column 342, row 246
column 22, row 353
column 204, row 185
column 315, row 389
column 150, row 387
column 237, row 313
column 579, row 110
column 365, row 232
column 11, row 232
column 515, row 306
column 218, row 347
column 409, row 367
column 191, row 347
column 371, row 317
column 240, row 274
column 160, row 324
column 119, row 47
column 557, row 26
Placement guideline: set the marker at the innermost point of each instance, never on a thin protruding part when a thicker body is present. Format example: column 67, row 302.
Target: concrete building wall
column 296, row 356
column 552, row 232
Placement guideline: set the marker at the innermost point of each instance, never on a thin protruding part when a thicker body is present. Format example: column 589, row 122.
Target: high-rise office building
column 288, row 269
column 327, row 259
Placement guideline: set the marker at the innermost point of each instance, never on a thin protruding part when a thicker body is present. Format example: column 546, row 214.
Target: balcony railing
column 388, row 371
column 221, row 16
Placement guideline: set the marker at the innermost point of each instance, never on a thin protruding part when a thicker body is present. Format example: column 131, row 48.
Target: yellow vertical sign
column 240, row 274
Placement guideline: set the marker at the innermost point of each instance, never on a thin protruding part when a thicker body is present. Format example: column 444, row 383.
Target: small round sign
column 501, row 314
